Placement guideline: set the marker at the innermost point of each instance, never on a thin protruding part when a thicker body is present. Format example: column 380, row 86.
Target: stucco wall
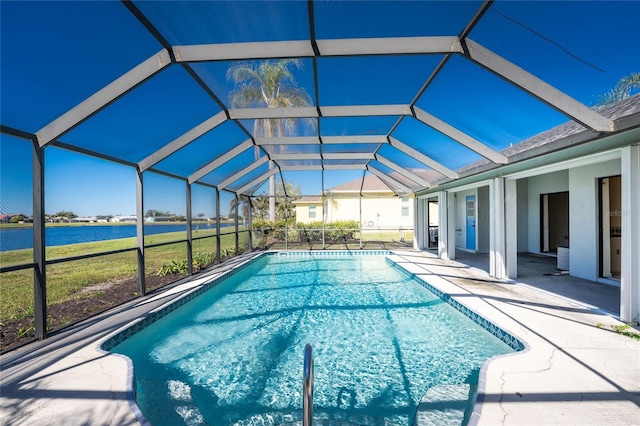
column 522, row 188
column 583, row 217
column 386, row 212
column 543, row 184
column 302, row 213
column 347, row 208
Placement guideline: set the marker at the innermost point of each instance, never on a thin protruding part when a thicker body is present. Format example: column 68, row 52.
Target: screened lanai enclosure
column 143, row 141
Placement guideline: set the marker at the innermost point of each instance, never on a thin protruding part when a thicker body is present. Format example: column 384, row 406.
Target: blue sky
column 582, row 48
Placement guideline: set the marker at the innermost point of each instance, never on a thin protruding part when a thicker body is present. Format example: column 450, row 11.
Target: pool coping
column 118, row 336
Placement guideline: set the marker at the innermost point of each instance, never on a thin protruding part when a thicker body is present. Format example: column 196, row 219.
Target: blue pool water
column 382, row 344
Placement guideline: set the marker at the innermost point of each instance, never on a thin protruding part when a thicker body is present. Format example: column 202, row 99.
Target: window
column 312, row 212
column 405, row 206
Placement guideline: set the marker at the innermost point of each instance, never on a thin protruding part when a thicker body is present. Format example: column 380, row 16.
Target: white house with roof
column 562, row 193
column 130, row 219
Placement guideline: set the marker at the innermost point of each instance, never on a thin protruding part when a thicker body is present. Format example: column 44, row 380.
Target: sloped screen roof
column 229, row 93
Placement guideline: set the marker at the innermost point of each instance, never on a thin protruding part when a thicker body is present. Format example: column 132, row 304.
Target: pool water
column 384, row 347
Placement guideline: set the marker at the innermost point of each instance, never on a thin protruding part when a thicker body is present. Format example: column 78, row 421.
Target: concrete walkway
column 576, row 369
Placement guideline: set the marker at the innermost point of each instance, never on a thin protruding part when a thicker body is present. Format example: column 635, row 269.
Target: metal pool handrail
column 307, row 387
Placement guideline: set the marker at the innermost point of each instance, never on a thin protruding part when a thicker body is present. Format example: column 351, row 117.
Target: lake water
column 22, row 238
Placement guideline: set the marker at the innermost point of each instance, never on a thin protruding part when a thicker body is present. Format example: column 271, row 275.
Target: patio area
column 541, row 272
column 575, row 370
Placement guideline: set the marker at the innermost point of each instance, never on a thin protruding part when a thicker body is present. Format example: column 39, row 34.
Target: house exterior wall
column 583, row 217
column 386, row 212
column 522, row 188
column 537, row 185
column 302, row 212
column 343, row 208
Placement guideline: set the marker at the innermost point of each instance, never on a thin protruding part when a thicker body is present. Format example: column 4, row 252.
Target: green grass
column 66, row 280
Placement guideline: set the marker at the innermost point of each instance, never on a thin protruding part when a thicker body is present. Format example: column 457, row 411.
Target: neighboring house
column 556, row 197
column 5, row 218
column 124, row 219
column 160, row 219
column 58, row 219
column 308, row 209
column 370, row 202
column 84, row 219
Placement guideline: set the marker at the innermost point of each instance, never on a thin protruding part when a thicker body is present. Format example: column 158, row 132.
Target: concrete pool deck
column 576, row 369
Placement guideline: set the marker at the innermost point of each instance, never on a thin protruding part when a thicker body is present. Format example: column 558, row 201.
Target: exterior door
column 471, row 222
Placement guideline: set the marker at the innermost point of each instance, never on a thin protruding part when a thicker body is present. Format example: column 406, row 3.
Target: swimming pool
column 384, row 347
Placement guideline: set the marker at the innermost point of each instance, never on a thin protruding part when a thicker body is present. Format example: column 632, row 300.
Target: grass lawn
column 66, row 280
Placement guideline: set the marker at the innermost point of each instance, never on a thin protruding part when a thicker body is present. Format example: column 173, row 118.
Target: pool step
column 444, row 405
column 319, row 419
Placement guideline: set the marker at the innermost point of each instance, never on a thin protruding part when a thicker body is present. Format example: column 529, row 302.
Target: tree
column 154, row 213
column 260, row 206
column 285, row 208
column 67, row 214
column 269, row 84
column 622, row 90
column 244, row 205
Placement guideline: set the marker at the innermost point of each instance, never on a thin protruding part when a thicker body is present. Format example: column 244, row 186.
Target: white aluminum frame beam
column 103, row 97
column 389, row 46
column 257, row 180
column 355, row 139
column 287, row 140
column 222, row 185
column 401, row 170
column 315, row 167
column 365, row 110
column 182, row 141
column 385, row 177
column 345, row 166
column 400, row 146
column 249, row 50
column 326, row 111
column 328, row 47
column 326, row 156
column 460, row 137
column 208, row 168
column 327, row 140
column 348, row 155
column 261, row 113
column 538, row 88
column 300, row 156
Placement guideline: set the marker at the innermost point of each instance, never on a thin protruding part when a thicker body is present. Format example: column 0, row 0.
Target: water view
column 22, row 238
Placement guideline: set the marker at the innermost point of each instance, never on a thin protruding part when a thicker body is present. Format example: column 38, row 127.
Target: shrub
column 340, row 230
column 199, row 261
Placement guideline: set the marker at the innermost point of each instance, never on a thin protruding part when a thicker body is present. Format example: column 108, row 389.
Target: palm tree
column 260, row 206
column 268, row 84
column 622, row 90
column 243, row 203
